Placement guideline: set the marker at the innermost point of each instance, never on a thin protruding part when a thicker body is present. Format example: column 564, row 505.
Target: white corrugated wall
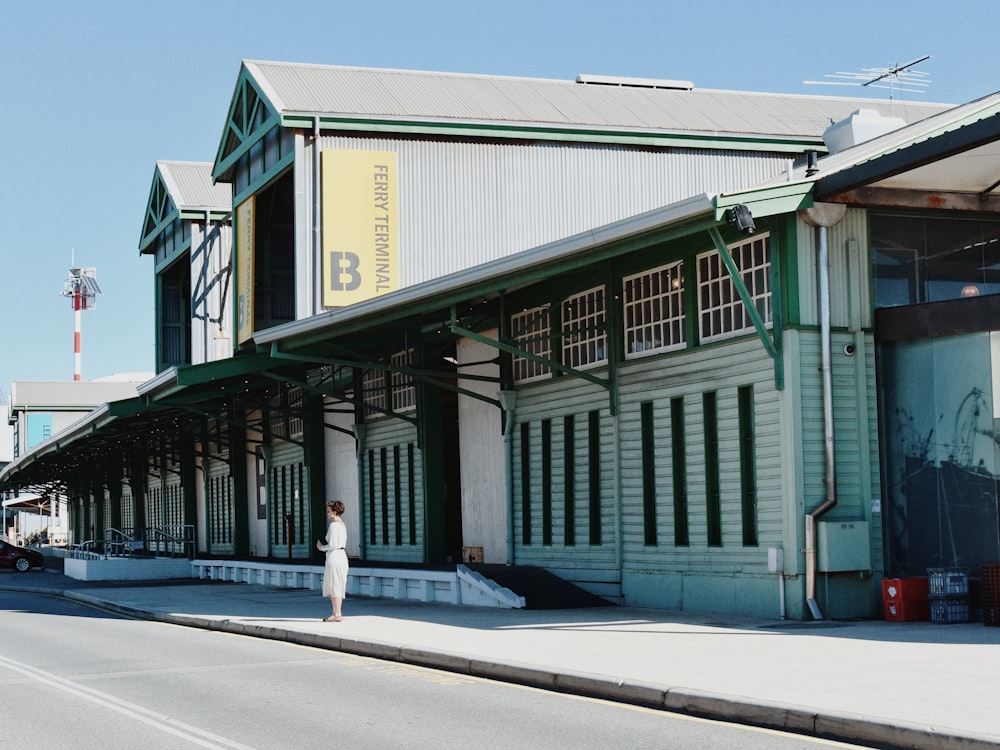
column 462, row 204
column 481, row 455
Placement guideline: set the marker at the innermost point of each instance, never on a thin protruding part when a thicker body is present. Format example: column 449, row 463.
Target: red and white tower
column 82, row 288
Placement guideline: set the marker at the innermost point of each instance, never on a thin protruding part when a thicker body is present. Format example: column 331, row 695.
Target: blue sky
column 95, row 92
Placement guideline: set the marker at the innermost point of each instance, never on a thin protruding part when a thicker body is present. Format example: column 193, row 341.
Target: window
column 532, row 333
column 373, row 392
column 654, row 310
column 285, row 414
column 930, row 260
column 584, row 330
column 721, row 311
column 294, row 412
column 404, row 394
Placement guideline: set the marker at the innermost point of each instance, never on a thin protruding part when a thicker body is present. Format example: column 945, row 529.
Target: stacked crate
column 991, row 594
column 949, row 594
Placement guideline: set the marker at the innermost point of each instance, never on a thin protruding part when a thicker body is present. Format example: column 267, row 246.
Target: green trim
column 678, row 457
column 777, row 336
column 265, row 179
column 373, row 540
column 569, row 480
column 251, row 115
column 383, row 460
column 541, row 132
column 594, row 475
column 411, row 493
column 165, row 263
column 748, row 477
column 713, row 497
column 648, row 474
column 785, row 198
column 526, row 484
column 546, row 456
column 160, row 211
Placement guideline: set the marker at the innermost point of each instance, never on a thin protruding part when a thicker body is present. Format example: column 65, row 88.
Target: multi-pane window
column 404, row 395
column 583, row 328
column 373, row 392
column 653, row 304
column 721, row 311
column 285, row 414
column 294, row 412
column 532, row 333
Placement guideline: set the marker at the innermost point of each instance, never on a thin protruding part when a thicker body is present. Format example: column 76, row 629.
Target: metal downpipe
column 826, row 372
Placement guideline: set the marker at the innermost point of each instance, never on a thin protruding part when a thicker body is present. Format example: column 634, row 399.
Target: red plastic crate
column 905, row 599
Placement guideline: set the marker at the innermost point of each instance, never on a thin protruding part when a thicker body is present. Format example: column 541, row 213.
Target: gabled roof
column 297, row 95
column 182, row 190
column 190, row 185
column 365, row 92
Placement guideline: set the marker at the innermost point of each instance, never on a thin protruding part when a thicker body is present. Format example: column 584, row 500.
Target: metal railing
column 171, row 541
column 157, row 541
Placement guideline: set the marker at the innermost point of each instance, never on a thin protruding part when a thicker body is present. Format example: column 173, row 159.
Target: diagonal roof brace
column 741, row 289
column 428, row 376
column 512, row 349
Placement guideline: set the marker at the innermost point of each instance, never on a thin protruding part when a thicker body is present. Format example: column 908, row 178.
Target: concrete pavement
column 908, row 685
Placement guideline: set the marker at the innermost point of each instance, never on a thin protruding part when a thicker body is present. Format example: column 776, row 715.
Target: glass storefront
column 939, row 377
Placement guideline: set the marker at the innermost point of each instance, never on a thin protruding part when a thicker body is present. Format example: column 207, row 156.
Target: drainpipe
column 360, row 432
column 507, row 401
column 822, row 216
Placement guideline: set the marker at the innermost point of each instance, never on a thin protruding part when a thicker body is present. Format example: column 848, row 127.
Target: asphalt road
column 77, row 677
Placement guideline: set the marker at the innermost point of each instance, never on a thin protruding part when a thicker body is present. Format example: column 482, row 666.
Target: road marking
column 152, row 718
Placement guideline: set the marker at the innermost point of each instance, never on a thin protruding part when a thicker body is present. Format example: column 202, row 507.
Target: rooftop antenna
column 898, row 77
column 82, row 288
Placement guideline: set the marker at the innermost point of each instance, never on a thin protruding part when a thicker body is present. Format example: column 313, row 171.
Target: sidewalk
column 914, row 685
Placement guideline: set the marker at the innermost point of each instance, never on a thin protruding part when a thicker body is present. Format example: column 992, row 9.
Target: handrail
column 177, row 540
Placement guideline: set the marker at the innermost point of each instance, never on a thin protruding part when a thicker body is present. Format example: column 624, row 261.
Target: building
column 676, row 398
column 37, row 412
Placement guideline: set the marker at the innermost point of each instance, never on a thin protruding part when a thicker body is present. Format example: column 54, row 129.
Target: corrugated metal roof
column 431, row 96
column 82, row 395
column 190, row 186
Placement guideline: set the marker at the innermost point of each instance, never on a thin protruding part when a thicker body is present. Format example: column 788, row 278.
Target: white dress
column 335, row 572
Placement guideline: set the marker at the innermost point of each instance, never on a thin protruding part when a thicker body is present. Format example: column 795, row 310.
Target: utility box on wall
column 843, row 546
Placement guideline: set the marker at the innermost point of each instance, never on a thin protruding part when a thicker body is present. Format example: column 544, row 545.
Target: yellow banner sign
column 360, row 227
column 244, row 269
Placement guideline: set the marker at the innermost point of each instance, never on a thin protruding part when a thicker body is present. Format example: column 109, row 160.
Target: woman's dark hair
column 336, row 506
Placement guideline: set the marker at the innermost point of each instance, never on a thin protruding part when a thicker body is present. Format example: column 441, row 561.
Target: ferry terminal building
column 631, row 334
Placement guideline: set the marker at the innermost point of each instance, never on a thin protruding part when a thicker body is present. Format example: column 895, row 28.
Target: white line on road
column 145, row 715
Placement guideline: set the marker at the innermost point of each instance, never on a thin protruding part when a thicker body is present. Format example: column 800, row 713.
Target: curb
column 740, row 709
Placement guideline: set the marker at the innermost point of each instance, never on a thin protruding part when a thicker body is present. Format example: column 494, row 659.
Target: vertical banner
column 244, row 269
column 360, row 229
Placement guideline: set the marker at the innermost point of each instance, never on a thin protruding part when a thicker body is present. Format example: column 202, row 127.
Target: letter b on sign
column 344, row 276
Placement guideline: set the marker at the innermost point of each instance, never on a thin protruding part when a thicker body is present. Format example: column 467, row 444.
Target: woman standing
column 335, row 572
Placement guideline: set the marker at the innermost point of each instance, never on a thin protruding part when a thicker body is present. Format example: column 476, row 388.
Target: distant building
column 38, row 410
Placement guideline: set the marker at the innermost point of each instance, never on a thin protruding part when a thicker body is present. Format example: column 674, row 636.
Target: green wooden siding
column 392, row 495
column 219, row 505
column 551, row 519
column 289, row 532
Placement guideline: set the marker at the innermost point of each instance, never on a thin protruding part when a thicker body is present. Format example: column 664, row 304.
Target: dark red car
column 20, row 559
